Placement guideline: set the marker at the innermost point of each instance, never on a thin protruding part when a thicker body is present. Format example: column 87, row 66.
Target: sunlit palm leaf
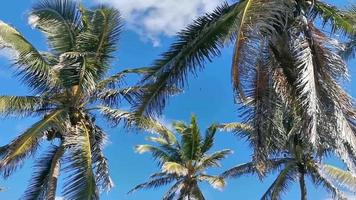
column 27, row 143
column 31, row 65
column 21, row 105
column 59, row 20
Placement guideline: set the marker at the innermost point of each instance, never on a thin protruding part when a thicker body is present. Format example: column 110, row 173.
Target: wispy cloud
column 153, row 19
column 8, row 53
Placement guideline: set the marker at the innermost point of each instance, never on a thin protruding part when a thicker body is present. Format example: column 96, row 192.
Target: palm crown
column 69, row 83
column 281, row 59
column 184, row 162
column 295, row 162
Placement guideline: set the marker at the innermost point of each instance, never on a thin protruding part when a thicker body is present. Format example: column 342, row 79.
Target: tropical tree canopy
column 281, row 59
column 183, row 160
column 294, row 163
column 69, row 86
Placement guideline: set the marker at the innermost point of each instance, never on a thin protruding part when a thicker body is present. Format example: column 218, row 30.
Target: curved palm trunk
column 303, row 188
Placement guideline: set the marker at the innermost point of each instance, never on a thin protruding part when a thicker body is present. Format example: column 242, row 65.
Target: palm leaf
column 215, row 181
column 33, row 68
column 44, row 180
column 100, row 36
column 21, row 105
column 199, row 41
column 27, row 143
column 213, row 159
column 80, row 182
column 280, row 185
column 154, row 183
column 174, row 168
column 59, row 20
column 343, row 178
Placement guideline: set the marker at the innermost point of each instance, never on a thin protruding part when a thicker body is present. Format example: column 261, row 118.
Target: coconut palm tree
column 294, row 164
column 183, row 162
column 280, row 55
column 69, row 86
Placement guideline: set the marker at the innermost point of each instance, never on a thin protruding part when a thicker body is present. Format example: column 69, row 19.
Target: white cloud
column 8, row 54
column 59, row 198
column 155, row 18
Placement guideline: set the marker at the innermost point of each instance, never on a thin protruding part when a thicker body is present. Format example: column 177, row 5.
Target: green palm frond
column 173, row 191
column 157, row 153
column 191, row 140
column 43, row 183
column 100, row 36
column 114, row 115
column 208, row 141
column 153, row 183
column 215, row 181
column 59, row 20
column 214, row 159
column 319, row 178
column 111, row 81
column 280, row 185
column 155, row 126
column 343, row 178
column 80, row 182
column 199, row 41
column 27, row 143
column 32, row 66
column 21, row 105
column 338, row 18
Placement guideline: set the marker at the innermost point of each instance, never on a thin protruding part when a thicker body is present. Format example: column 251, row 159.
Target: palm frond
column 27, row 143
column 21, row 105
column 31, row 65
column 320, row 179
column 216, row 182
column 173, row 191
column 114, row 115
column 214, row 159
column 343, row 178
column 155, row 126
column 80, row 182
column 256, row 18
column 306, row 82
column 246, row 168
column 199, row 41
column 43, row 183
column 154, row 183
column 102, row 175
column 157, row 153
column 60, row 20
column 111, row 81
column 281, row 183
column 174, row 168
column 208, row 141
column 100, row 36
column 336, row 17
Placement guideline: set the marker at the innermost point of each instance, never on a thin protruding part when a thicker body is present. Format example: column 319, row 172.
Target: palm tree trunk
column 303, row 188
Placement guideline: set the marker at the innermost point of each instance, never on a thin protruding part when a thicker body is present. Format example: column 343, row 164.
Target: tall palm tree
column 279, row 56
column 183, row 162
column 294, row 164
column 70, row 85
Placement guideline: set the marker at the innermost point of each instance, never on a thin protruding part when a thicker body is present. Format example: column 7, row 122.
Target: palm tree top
column 70, row 86
column 184, row 160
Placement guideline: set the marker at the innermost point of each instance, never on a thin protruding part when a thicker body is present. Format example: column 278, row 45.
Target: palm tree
column 183, row 163
column 70, row 85
column 279, row 56
column 294, row 164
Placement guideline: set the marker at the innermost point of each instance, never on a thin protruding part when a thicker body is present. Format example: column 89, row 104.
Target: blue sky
column 209, row 96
